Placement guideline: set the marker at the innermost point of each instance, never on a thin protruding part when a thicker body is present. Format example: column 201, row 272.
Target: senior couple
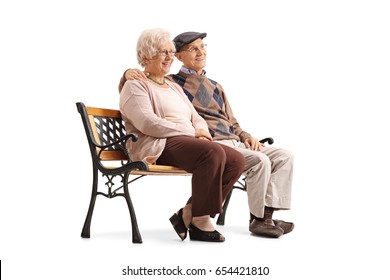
column 185, row 120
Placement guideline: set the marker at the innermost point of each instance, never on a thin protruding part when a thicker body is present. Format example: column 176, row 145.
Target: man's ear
column 178, row 56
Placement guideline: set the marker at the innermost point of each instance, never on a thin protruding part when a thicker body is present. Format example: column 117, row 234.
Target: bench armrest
column 120, row 143
column 133, row 136
column 269, row 140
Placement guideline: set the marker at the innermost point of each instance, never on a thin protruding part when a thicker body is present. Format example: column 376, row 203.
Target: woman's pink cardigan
column 139, row 106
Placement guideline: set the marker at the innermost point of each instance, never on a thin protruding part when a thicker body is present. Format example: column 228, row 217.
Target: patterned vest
column 209, row 100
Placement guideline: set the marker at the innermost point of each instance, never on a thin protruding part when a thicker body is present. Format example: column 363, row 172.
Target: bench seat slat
column 155, row 169
column 161, row 170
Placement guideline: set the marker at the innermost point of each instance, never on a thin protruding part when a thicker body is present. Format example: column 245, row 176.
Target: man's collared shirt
column 191, row 72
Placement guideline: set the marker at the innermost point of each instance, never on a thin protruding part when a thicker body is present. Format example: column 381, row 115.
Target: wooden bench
column 107, row 138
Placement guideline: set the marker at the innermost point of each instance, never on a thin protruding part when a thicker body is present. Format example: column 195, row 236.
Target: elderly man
column 268, row 169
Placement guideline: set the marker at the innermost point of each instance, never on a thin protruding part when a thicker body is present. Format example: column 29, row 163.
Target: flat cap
column 186, row 38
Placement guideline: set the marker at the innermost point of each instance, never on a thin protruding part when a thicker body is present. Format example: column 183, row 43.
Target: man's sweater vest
column 209, row 100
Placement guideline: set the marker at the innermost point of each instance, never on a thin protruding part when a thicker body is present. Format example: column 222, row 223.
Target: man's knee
column 257, row 160
column 286, row 155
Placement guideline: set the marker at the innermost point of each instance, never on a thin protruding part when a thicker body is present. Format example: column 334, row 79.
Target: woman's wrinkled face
column 162, row 61
column 193, row 55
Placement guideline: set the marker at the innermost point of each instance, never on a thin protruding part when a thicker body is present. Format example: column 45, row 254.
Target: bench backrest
column 103, row 126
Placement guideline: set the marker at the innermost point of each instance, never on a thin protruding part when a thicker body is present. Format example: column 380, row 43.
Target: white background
column 314, row 75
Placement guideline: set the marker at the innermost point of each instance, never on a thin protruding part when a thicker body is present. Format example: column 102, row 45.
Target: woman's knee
column 218, row 153
column 234, row 159
column 213, row 153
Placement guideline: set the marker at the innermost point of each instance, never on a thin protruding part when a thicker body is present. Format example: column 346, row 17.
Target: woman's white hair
column 149, row 42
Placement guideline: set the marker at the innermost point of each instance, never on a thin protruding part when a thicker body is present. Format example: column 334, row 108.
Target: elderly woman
column 172, row 133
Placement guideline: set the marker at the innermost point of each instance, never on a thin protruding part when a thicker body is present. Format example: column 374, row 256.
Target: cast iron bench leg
column 87, row 224
column 221, row 216
column 134, row 225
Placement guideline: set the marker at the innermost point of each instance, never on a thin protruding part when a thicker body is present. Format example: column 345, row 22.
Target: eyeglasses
column 166, row 53
column 196, row 49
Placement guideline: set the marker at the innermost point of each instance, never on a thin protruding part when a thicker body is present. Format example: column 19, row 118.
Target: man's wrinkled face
column 193, row 55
